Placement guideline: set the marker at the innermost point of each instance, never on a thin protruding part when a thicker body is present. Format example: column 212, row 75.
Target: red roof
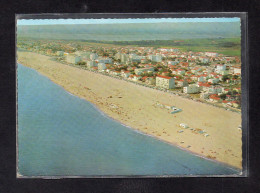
column 214, row 97
column 204, row 84
column 166, row 77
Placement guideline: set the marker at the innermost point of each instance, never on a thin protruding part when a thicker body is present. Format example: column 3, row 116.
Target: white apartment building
column 91, row 64
column 139, row 71
column 215, row 90
column 73, row 59
column 124, row 58
column 220, row 68
column 155, row 58
column 105, row 60
column 191, row 89
column 165, row 82
column 101, row 66
column 93, row 56
column 181, row 83
column 211, row 54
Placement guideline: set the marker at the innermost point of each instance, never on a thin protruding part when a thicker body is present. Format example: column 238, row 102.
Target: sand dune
column 135, row 106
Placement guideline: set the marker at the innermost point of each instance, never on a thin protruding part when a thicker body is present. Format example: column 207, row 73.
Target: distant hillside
column 131, row 32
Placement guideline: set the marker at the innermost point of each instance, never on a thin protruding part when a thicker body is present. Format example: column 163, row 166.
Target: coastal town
column 207, row 77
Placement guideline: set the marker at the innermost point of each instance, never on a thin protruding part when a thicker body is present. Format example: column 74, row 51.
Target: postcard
column 104, row 97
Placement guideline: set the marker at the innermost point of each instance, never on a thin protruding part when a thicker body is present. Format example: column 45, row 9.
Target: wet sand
column 135, row 106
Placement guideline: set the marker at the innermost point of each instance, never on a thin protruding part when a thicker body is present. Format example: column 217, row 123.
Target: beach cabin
column 175, row 110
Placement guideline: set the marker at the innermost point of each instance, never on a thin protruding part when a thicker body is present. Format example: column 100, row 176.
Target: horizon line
column 36, row 22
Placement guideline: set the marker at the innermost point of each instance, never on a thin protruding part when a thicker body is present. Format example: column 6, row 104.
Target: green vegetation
column 226, row 46
column 81, row 63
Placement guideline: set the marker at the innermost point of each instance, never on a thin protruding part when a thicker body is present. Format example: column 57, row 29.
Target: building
column 91, row 64
column 204, row 95
column 85, row 56
column 169, row 50
column 204, row 59
column 237, row 70
column 180, row 71
column 181, row 83
column 165, row 82
column 101, row 66
column 73, row 59
column 174, row 49
column 211, row 54
column 202, row 78
column 105, row 60
column 136, row 58
column 139, row 71
column 93, row 56
column 155, row 58
column 125, row 74
column 213, row 80
column 173, row 62
column 214, row 98
column 203, row 86
column 143, row 61
column 220, row 68
column 136, row 77
column 150, row 80
column 118, row 56
column 191, row 89
column 122, row 57
column 215, row 90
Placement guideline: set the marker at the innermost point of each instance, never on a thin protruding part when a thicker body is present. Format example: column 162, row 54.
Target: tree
column 225, row 77
column 234, row 92
column 235, row 76
column 105, row 54
column 81, row 63
column 223, row 96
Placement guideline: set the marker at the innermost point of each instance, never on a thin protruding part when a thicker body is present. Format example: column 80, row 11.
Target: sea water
column 60, row 134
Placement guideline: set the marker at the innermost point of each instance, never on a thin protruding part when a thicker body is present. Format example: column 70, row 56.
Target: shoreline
column 140, row 132
column 136, row 129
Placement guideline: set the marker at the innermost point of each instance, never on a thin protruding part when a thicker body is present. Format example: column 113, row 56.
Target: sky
column 114, row 21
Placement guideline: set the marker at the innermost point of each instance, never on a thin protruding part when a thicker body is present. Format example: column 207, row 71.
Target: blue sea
column 60, row 134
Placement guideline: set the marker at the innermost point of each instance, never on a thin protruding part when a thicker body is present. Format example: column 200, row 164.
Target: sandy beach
column 135, row 106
